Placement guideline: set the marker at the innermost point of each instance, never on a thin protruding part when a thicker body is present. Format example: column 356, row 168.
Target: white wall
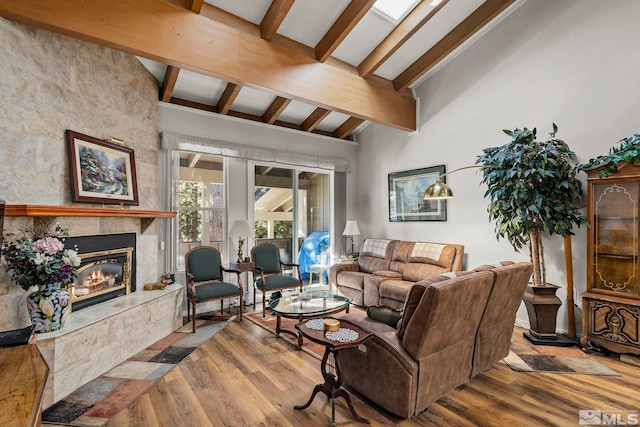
column 572, row 62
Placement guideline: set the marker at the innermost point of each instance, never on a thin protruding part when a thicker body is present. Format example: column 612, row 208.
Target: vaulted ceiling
column 322, row 66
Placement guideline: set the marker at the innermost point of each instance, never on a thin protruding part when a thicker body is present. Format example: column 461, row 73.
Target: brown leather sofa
column 386, row 269
column 454, row 326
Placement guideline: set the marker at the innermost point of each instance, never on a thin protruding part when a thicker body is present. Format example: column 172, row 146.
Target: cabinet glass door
column 616, row 237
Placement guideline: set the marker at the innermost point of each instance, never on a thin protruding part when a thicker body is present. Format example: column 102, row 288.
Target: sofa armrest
column 385, row 335
column 336, row 269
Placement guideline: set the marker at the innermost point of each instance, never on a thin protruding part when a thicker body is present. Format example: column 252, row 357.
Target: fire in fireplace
column 107, row 268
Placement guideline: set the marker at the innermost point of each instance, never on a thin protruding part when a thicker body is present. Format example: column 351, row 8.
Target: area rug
column 96, row 402
column 557, row 360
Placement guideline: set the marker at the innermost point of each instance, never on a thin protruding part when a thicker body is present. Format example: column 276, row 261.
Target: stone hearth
column 98, row 338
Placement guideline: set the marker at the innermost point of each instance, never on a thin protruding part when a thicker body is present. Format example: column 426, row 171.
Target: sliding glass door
column 292, row 210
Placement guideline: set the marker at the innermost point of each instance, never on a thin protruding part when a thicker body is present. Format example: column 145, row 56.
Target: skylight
column 395, row 9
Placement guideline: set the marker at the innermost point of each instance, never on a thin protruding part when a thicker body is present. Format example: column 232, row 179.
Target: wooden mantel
column 43, row 211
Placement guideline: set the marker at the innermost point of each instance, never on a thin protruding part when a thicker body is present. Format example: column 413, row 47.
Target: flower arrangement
column 41, row 261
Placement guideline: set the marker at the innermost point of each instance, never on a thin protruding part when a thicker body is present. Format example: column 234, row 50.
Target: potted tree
column 532, row 191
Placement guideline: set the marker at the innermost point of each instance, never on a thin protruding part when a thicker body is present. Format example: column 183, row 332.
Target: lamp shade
column 240, row 228
column 351, row 229
column 438, row 190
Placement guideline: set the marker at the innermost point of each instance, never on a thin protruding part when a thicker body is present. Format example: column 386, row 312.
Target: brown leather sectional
column 387, row 269
column 453, row 327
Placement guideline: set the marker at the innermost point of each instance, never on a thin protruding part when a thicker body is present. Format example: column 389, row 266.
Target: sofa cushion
column 388, row 274
column 428, row 259
column 393, row 291
column 400, row 256
column 375, row 255
column 353, row 279
column 385, row 314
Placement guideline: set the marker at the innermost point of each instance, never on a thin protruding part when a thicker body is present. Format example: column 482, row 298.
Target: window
column 201, row 203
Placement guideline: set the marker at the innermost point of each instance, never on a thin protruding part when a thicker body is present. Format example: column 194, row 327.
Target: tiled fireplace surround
column 100, row 337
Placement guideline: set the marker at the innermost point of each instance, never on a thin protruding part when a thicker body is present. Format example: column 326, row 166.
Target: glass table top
column 310, row 302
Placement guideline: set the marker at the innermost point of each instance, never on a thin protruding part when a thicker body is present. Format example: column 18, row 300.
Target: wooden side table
column 330, row 367
column 244, row 267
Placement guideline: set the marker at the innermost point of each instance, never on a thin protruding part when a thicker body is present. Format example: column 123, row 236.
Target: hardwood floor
column 245, row 376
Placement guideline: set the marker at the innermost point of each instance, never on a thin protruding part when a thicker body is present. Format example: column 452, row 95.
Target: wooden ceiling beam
column 314, row 119
column 273, row 18
column 245, row 116
column 193, row 104
column 163, row 32
column 275, row 109
column 415, row 20
column 340, row 29
column 347, row 127
column 228, row 97
column 467, row 28
column 168, row 83
column 171, row 73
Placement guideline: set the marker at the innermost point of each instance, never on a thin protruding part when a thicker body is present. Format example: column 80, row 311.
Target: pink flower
column 48, row 245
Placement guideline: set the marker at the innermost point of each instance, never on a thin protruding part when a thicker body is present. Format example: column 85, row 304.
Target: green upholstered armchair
column 268, row 276
column 205, row 282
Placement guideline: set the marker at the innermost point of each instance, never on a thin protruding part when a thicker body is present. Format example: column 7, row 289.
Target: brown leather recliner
column 375, row 255
column 407, row 369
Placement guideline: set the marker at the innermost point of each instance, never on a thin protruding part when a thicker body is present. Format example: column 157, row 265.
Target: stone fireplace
column 107, row 269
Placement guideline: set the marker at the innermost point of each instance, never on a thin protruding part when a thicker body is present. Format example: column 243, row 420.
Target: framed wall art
column 101, row 171
column 406, row 190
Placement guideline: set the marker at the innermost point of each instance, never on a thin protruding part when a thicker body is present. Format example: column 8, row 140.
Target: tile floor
column 96, row 402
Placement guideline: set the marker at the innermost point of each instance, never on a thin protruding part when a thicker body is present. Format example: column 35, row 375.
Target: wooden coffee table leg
column 278, row 324
column 279, row 330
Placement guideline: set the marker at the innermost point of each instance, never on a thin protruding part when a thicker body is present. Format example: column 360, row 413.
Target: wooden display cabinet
column 611, row 304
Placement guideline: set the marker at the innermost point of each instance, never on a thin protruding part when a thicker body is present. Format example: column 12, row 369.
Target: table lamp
column 240, row 229
column 350, row 230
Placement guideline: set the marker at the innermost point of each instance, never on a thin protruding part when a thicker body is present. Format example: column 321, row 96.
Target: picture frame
column 101, row 171
column 406, row 190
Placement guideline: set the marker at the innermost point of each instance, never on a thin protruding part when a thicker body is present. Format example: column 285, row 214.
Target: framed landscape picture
column 101, row 171
column 406, row 190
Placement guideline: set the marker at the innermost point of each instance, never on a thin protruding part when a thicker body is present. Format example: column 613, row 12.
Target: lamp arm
column 468, row 167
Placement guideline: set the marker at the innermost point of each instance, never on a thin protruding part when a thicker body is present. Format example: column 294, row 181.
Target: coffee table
column 309, row 304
